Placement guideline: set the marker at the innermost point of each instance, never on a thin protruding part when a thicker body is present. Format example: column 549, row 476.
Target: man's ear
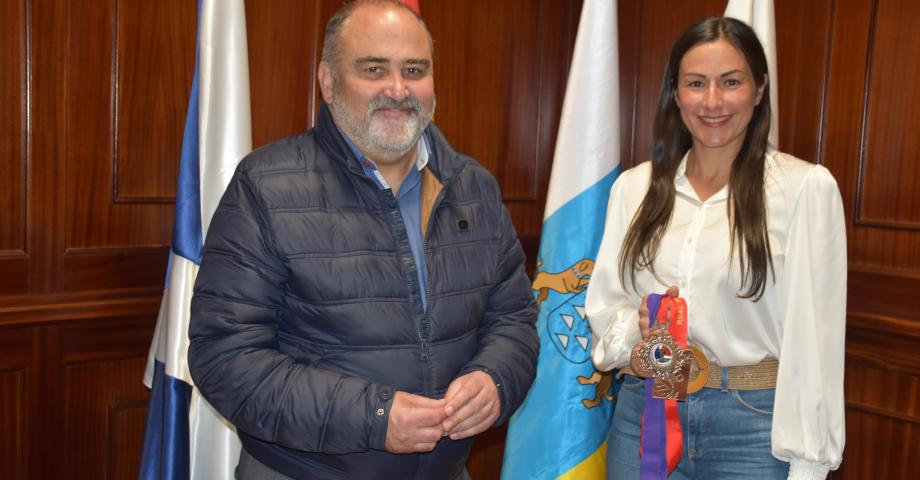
column 324, row 75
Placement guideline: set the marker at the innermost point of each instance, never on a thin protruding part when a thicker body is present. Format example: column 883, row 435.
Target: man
column 362, row 309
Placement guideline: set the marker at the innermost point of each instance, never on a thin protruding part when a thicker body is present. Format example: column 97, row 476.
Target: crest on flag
column 568, row 327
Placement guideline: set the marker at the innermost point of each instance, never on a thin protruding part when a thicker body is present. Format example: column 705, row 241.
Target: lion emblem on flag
column 566, row 323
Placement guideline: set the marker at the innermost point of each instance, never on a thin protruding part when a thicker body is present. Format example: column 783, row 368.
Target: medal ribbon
column 662, row 438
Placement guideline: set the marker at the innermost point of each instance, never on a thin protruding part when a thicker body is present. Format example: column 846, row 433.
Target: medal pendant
column 660, row 357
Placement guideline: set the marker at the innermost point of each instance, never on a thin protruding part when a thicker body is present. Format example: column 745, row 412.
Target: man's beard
column 379, row 135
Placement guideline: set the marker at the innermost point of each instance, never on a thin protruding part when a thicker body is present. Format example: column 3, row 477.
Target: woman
column 754, row 240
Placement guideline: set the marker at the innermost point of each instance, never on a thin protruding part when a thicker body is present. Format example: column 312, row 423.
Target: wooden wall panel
column 629, row 17
column 125, row 437
column 802, row 74
column 872, row 154
column 12, row 423
column 870, row 150
column 154, row 59
column 14, row 89
column 873, row 434
column 890, row 173
column 102, row 412
column 12, row 131
column 883, row 415
column 15, row 380
column 47, row 59
column 104, row 400
column 122, row 52
column 283, row 53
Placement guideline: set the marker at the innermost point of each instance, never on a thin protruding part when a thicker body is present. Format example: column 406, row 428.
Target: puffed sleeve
column 613, row 312
column 808, row 416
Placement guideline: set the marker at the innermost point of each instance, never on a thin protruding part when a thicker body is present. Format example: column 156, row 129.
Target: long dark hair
column 671, row 140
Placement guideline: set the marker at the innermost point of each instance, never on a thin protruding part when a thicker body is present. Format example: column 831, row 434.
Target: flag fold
column 185, row 438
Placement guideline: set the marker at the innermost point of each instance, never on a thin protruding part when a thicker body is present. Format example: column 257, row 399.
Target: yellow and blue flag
column 567, row 413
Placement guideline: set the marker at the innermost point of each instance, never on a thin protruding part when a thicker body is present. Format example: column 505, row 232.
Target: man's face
column 380, row 89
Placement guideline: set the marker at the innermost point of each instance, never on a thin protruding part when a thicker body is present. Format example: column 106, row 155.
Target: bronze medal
column 660, row 357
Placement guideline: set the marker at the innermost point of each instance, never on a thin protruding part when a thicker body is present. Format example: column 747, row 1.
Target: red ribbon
column 674, row 312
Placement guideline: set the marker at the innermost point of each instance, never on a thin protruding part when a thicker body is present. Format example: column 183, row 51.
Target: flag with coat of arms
column 567, row 413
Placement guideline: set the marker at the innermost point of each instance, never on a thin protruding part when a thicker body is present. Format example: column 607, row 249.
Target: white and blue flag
column 185, row 437
column 567, row 413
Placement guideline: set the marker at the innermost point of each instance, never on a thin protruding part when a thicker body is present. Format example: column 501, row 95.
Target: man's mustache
column 382, row 102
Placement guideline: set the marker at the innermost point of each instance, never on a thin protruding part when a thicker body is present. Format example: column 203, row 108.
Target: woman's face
column 716, row 95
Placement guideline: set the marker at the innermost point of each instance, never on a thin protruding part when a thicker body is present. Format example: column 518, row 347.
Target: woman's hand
column 673, row 291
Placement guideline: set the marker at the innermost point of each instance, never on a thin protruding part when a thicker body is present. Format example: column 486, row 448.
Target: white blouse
column 800, row 319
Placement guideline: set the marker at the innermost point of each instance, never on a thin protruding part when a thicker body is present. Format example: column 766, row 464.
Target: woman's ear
column 761, row 88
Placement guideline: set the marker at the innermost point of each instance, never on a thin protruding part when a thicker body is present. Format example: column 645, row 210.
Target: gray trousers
column 251, row 469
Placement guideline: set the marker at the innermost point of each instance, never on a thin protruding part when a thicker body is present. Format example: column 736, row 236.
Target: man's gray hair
column 332, row 39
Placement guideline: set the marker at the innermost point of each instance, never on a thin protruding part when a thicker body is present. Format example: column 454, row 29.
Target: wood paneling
column 154, row 59
column 869, row 148
column 12, row 131
column 890, row 173
column 15, row 378
column 93, row 99
column 883, row 422
column 106, row 40
column 802, row 74
column 125, row 437
column 283, row 54
column 114, row 267
column 100, row 396
column 486, row 457
column 881, row 446
column 14, row 99
column 872, row 153
column 47, row 148
column 629, row 17
column 12, row 423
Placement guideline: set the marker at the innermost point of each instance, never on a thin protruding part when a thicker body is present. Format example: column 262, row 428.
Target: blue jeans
column 726, row 435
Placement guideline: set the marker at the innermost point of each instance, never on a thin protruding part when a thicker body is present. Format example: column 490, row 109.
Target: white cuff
column 613, row 347
column 805, row 470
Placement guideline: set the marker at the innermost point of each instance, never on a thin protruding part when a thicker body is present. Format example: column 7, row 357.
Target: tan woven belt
column 760, row 376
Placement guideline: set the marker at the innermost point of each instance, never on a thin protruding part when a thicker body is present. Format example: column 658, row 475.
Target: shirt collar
column 682, row 184
column 370, row 167
column 683, row 187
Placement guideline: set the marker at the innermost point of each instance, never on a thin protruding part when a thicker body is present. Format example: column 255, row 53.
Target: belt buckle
column 699, row 370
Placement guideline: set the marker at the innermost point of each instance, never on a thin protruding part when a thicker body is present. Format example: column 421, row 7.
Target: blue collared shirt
column 409, row 199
